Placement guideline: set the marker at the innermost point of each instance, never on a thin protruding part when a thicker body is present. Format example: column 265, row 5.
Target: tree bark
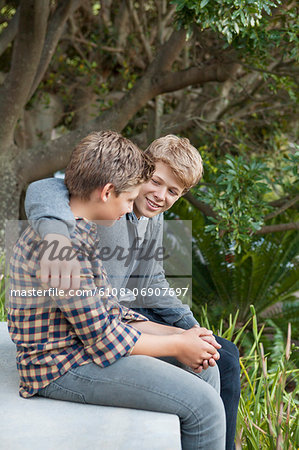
column 10, row 190
column 54, row 31
column 278, row 227
column 25, row 59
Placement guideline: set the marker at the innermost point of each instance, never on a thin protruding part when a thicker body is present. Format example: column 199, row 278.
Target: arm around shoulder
column 47, row 207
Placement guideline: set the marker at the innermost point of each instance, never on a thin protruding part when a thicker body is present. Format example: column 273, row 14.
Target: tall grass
column 268, row 415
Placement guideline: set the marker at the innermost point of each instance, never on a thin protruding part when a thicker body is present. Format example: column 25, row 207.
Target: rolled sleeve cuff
column 128, row 315
column 119, row 342
column 186, row 322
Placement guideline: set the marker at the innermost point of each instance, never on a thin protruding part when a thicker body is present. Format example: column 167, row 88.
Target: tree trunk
column 10, row 191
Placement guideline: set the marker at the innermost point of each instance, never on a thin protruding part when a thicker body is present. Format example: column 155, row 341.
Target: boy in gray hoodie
column 178, row 167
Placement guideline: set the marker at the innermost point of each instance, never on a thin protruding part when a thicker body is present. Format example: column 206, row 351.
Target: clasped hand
column 199, row 349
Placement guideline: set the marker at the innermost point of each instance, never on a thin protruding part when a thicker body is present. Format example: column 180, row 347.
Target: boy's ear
column 106, row 191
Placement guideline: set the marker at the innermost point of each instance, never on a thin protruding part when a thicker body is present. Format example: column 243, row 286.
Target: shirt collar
column 133, row 218
column 86, row 225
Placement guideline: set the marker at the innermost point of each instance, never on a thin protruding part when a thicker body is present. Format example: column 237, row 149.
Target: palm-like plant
column 266, row 275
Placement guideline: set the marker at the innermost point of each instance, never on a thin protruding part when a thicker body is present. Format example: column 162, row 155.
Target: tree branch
column 121, row 25
column 25, row 59
column 149, row 86
column 10, row 32
column 279, row 202
column 50, row 156
column 168, row 52
column 173, row 81
column 201, row 206
column 208, row 211
column 278, row 227
column 144, row 41
column 270, row 72
column 54, row 31
column 283, row 208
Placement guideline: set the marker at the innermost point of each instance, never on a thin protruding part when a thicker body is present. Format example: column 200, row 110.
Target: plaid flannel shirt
column 55, row 333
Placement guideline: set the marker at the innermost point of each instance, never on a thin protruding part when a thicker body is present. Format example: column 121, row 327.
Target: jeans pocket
column 56, row 392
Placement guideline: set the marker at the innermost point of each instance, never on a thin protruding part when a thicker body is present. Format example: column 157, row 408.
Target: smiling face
column 159, row 193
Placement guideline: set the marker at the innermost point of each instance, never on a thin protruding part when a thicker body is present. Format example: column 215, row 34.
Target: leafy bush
column 238, row 189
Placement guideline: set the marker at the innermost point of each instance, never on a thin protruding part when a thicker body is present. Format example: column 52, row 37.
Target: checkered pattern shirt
column 55, row 333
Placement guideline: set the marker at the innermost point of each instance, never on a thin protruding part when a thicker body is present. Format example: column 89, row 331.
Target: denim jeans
column 229, row 368
column 154, row 384
column 230, row 386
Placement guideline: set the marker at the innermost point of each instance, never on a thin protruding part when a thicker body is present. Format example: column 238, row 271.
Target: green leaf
column 203, row 3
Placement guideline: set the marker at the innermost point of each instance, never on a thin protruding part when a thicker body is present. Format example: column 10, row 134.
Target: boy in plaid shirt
column 72, row 347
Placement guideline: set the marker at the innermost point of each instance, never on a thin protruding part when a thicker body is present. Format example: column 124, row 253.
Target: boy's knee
column 211, row 376
column 229, row 361
column 212, row 404
column 233, row 359
column 228, row 346
column 233, row 349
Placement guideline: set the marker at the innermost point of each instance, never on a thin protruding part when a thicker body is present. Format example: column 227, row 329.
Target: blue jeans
column 229, row 368
column 230, row 386
column 143, row 382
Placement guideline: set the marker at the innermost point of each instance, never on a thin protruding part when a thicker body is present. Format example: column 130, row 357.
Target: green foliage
column 128, row 75
column 238, row 199
column 239, row 189
column 228, row 17
column 268, row 411
column 257, row 29
column 6, row 13
column 265, row 275
column 281, row 31
column 96, row 8
column 288, row 175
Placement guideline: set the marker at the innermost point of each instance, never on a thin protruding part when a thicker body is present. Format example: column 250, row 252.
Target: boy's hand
column 192, row 350
column 207, row 337
column 211, row 340
column 59, row 265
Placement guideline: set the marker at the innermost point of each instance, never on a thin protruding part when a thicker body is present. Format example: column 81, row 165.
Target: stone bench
column 40, row 423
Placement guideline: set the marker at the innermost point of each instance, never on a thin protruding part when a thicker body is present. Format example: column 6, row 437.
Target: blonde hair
column 180, row 156
column 106, row 157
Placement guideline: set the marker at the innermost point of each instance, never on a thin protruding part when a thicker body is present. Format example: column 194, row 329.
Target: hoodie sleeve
column 47, row 207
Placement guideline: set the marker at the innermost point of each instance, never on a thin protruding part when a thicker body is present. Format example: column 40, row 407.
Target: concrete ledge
column 40, row 423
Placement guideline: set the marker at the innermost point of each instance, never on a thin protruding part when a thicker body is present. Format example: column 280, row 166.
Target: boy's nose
column 160, row 194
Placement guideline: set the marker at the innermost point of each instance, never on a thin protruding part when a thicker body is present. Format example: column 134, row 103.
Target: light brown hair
column 106, row 157
column 180, row 156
